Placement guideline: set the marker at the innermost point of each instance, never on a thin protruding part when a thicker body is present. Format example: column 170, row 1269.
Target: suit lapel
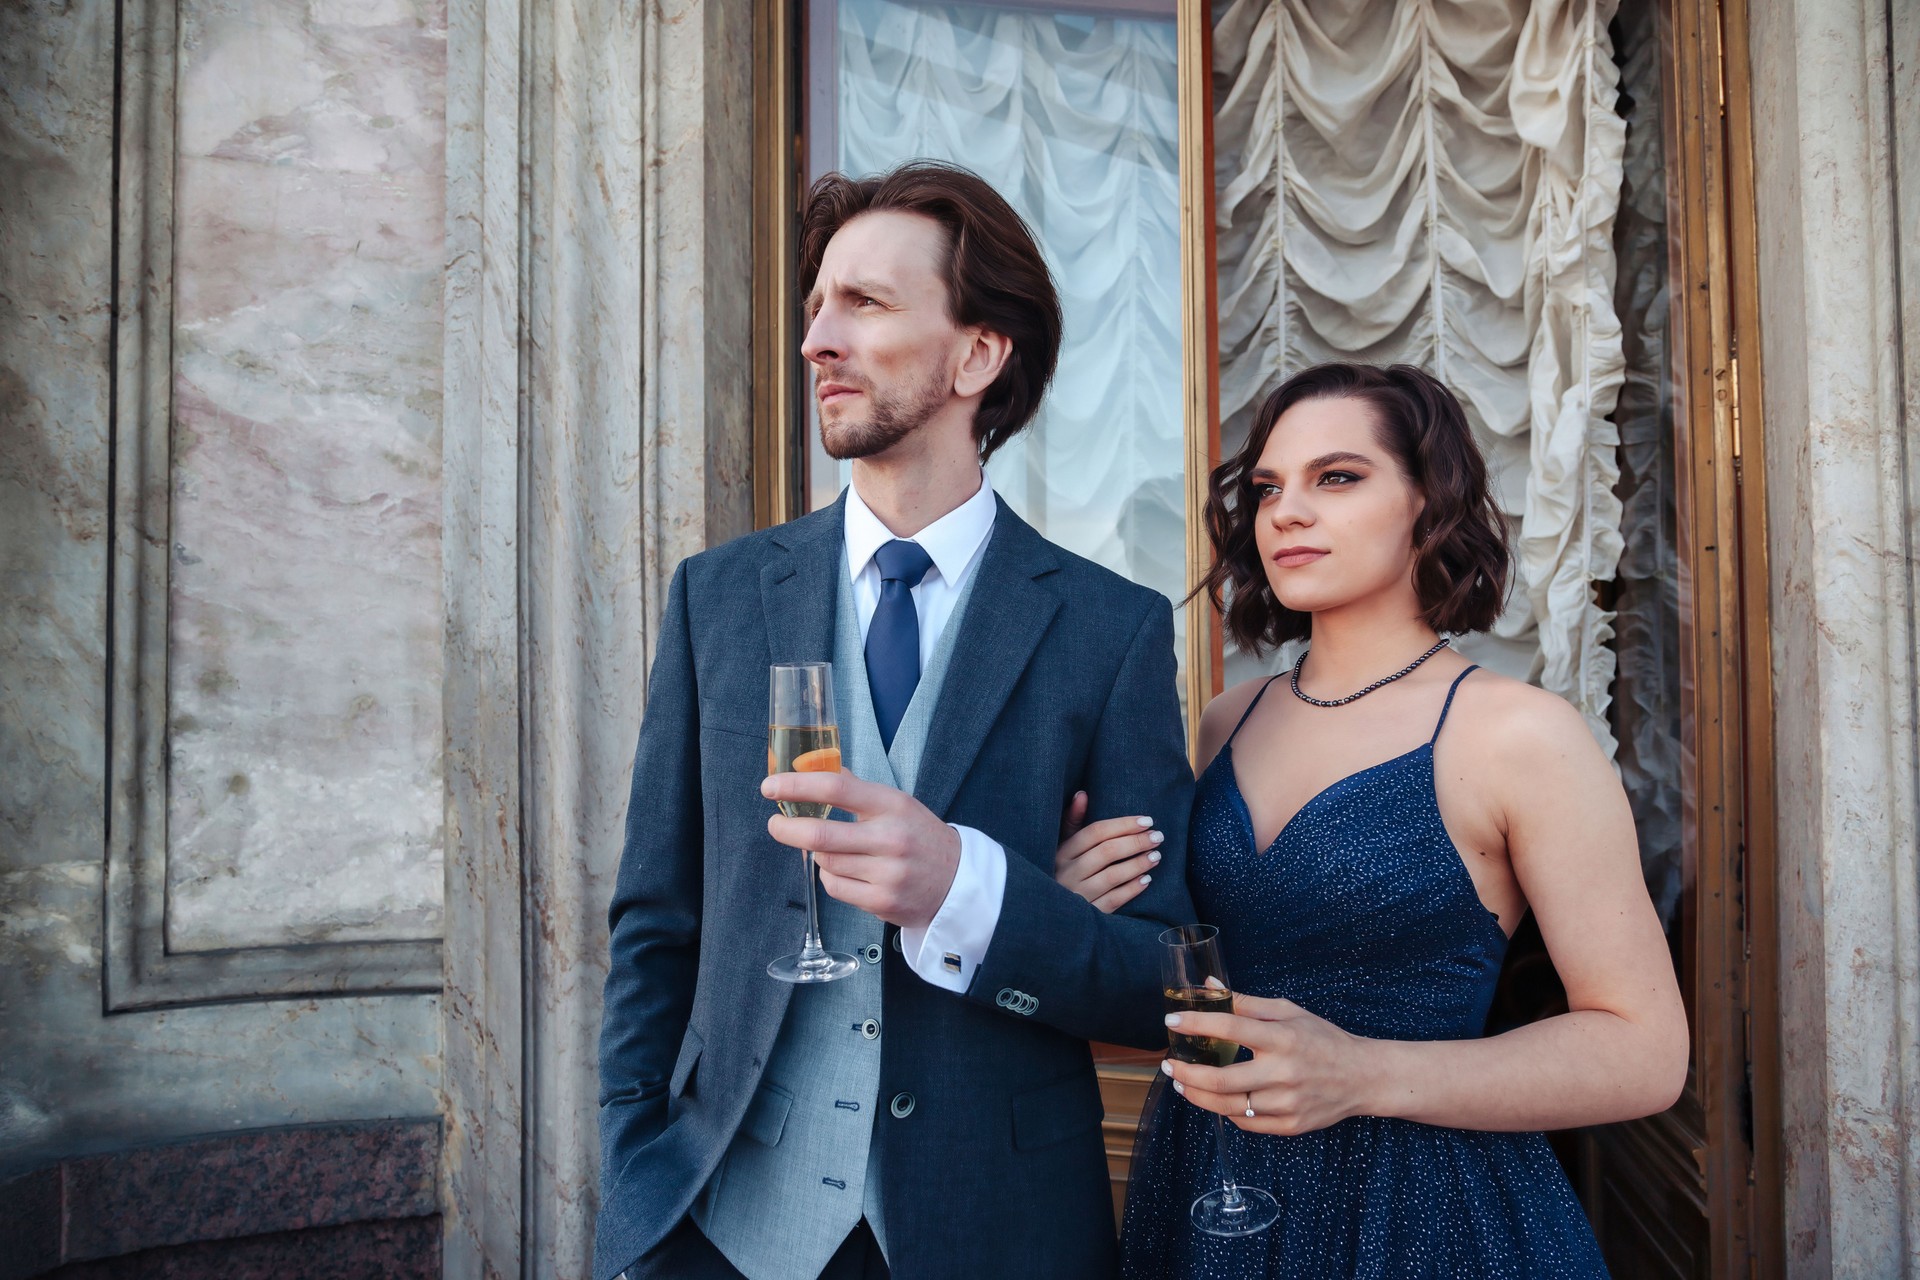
column 1006, row 617
column 798, row 595
column 798, row 590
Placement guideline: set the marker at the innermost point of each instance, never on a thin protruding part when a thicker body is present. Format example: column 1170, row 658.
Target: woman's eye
column 1339, row 478
column 1265, row 491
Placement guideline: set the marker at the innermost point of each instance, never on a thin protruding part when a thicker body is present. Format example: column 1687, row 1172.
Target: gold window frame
column 779, row 430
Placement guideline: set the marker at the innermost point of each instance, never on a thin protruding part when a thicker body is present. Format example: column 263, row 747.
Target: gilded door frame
column 1736, row 1034
column 1728, row 1134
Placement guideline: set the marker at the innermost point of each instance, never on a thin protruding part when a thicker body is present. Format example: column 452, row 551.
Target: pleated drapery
column 1436, row 184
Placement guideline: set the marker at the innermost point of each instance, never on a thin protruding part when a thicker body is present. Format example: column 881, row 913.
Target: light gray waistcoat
column 798, row 1175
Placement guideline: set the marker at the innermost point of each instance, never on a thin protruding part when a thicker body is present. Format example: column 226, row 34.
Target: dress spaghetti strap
column 1249, row 711
column 1449, row 703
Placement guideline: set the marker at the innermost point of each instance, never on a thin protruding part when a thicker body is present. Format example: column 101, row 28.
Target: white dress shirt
column 963, row 927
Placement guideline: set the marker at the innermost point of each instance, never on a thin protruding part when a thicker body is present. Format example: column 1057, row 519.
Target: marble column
column 598, row 430
column 1837, row 155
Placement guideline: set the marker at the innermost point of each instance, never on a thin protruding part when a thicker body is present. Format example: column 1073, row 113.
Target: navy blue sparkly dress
column 1361, row 912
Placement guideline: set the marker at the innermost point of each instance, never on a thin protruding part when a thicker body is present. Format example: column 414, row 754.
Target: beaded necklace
column 1341, row 702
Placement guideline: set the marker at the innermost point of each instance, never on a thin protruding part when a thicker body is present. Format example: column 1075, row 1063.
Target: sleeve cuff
column 951, row 947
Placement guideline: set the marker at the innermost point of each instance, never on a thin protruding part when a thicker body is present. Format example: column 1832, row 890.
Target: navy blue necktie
column 893, row 637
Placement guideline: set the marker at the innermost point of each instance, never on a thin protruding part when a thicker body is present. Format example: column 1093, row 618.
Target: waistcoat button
column 872, row 952
column 870, row 1028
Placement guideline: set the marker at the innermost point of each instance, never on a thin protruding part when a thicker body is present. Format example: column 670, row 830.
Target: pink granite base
column 344, row 1200
column 403, row 1249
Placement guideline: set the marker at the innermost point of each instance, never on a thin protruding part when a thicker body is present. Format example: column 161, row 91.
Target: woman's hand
column 1108, row 863
column 1305, row 1073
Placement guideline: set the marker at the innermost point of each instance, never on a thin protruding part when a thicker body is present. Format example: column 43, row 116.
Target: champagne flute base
column 1253, row 1212
column 828, row 966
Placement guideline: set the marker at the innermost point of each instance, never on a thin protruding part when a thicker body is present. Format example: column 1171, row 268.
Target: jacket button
column 872, row 952
column 901, row 1106
column 870, row 1029
column 896, row 940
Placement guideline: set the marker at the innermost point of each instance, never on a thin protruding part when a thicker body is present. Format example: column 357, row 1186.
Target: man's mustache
column 841, row 376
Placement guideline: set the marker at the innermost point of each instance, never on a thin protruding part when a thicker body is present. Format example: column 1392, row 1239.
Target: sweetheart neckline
column 1253, row 837
column 1459, row 860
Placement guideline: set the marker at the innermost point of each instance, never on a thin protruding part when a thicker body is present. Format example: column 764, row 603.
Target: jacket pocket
column 766, row 1117
column 1058, row 1111
column 691, row 1046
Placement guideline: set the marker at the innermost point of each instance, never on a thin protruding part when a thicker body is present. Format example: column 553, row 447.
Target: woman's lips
column 1294, row 557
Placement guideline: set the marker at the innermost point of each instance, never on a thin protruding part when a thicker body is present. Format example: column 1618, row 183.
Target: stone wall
column 220, row 806
column 365, row 370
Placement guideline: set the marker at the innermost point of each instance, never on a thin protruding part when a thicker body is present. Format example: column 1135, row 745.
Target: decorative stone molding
column 141, row 971
column 1838, row 153
column 598, row 430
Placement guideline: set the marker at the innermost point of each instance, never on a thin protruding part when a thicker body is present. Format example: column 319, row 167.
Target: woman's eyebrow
column 1326, row 461
column 1339, row 458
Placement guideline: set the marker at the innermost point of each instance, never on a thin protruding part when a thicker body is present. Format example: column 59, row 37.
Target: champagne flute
column 1195, row 981
column 803, row 736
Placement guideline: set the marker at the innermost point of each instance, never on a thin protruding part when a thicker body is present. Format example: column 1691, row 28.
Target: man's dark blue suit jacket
column 1062, row 679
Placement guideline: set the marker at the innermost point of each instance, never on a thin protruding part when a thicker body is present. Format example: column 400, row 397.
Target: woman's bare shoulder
column 1516, row 720
column 1223, row 713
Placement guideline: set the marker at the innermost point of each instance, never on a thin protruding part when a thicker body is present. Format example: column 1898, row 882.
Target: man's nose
column 822, row 343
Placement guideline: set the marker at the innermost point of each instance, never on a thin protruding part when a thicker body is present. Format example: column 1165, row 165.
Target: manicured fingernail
column 1158, row 837
column 1154, row 857
column 1179, row 1088
column 1173, row 1020
column 1166, row 1065
column 1146, row 879
column 1145, row 822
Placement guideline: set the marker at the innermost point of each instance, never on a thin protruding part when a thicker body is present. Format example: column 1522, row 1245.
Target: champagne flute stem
column 814, row 948
column 1230, row 1199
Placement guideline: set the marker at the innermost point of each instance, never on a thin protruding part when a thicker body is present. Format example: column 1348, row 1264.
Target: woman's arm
column 1109, row 863
column 1620, row 1052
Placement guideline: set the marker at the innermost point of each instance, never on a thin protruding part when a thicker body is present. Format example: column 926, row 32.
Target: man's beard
column 891, row 418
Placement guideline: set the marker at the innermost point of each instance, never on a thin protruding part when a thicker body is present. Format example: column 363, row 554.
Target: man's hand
column 897, row 860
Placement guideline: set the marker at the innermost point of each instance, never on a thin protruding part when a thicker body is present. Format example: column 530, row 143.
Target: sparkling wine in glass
column 803, row 736
column 1195, row 981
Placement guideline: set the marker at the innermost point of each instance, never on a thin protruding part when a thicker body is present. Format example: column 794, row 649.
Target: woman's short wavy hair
column 1461, row 561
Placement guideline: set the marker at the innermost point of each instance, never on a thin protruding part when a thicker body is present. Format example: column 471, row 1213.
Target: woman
column 1369, row 829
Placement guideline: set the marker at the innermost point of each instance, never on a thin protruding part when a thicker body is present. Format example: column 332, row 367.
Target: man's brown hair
column 1461, row 562
column 993, row 271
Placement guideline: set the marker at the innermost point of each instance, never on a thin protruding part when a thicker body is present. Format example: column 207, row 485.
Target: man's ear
column 986, row 355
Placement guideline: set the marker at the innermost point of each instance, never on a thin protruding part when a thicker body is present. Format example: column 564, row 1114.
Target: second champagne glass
column 1195, row 980
column 803, row 736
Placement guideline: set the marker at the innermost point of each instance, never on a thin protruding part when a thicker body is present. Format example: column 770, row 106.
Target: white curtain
column 1436, row 183
column 1073, row 119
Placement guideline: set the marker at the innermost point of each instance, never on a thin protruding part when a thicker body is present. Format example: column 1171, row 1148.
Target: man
column 935, row 1114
